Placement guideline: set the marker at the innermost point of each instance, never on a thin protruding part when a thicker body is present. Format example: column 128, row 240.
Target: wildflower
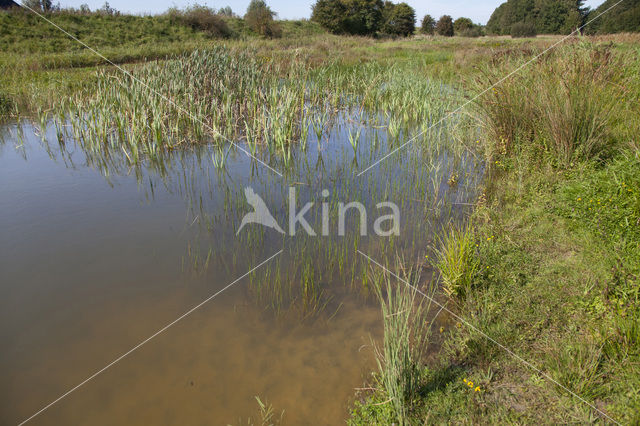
column 579, row 199
column 441, row 329
column 477, row 389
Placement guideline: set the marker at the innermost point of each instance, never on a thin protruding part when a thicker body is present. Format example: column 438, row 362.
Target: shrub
column 444, row 27
column 462, row 24
column 523, row 29
column 203, row 19
column 428, row 25
column 259, row 18
column 476, row 31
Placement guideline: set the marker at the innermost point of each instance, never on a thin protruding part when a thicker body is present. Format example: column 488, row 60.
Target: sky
column 478, row 10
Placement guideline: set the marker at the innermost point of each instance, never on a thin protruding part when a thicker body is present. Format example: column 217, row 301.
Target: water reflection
column 98, row 253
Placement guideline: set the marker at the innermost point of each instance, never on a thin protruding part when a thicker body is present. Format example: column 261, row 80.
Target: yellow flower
column 477, row 389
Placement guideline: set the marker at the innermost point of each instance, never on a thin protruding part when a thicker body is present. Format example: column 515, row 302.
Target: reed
column 406, row 336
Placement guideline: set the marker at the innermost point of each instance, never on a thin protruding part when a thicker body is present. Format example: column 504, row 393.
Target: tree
column 364, row 17
column 462, row 24
column 360, row 17
column 624, row 17
column 548, row 16
column 444, row 27
column 399, row 19
column 259, row 18
column 331, row 14
column 106, row 9
column 428, row 25
column 226, row 11
column 39, row 5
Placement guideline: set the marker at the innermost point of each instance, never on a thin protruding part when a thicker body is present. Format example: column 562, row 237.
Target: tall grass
column 456, row 260
column 5, row 105
column 218, row 94
column 567, row 118
column 406, row 336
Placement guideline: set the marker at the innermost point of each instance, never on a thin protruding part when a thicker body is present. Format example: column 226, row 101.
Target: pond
column 97, row 255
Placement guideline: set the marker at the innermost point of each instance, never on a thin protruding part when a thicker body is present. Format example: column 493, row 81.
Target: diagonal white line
column 477, row 330
column 155, row 92
column 162, row 330
column 553, row 46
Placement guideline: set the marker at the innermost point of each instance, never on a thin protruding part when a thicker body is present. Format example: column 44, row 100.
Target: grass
column 456, row 261
column 556, row 113
column 555, row 257
column 406, row 336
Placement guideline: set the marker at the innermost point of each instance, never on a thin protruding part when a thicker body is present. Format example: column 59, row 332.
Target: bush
column 259, row 19
column 428, row 25
column 203, row 19
column 476, row 31
column 444, row 27
column 523, row 29
column 462, row 24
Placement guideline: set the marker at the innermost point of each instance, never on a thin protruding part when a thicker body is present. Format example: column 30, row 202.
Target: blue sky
column 478, row 10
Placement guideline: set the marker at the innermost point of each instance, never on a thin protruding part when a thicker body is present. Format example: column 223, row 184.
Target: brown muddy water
column 96, row 257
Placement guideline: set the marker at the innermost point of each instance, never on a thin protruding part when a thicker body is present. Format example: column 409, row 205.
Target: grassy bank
column 555, row 272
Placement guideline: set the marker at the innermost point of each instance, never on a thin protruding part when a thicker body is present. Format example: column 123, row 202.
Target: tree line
column 517, row 17
column 375, row 17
